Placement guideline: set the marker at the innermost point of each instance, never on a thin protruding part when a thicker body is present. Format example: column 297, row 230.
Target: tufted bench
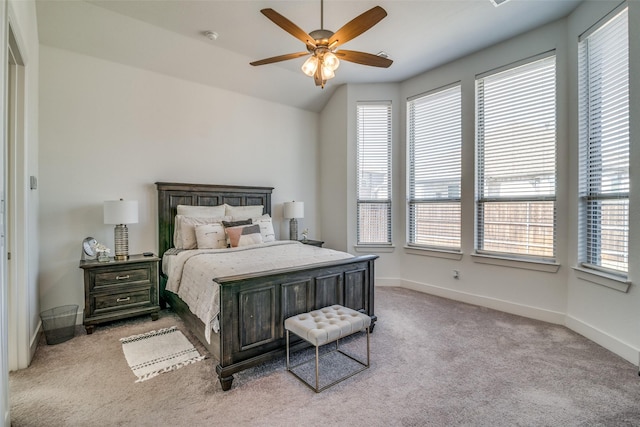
column 323, row 326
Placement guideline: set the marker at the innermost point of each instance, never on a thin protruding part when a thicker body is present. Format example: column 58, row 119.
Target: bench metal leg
column 317, row 388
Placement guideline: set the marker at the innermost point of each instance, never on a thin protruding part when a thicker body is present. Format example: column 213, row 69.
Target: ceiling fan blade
column 289, row 27
column 357, row 26
column 363, row 58
column 279, row 58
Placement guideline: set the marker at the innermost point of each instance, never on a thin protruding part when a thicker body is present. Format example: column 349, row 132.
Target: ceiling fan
column 322, row 44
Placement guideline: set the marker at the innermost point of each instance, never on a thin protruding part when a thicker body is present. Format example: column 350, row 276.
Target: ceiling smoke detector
column 211, row 35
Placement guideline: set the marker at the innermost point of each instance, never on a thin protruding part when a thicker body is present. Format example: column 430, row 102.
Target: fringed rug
column 155, row 352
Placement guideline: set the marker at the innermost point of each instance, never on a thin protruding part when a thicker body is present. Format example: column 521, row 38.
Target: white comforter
column 191, row 273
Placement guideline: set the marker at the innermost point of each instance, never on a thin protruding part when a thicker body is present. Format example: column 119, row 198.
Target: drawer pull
column 122, row 277
column 123, row 299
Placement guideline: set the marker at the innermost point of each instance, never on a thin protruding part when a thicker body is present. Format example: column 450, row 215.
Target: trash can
column 59, row 323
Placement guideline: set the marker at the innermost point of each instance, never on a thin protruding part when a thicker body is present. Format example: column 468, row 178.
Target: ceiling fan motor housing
column 321, row 38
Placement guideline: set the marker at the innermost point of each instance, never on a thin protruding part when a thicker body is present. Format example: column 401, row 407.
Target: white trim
column 622, row 349
column 516, row 64
column 374, row 248
column 603, row 279
column 493, row 303
column 432, row 252
column 525, row 264
column 20, row 337
column 602, row 21
column 4, row 295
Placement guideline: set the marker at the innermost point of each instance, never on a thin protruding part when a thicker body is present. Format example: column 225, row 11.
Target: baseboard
column 605, row 340
column 601, row 338
column 493, row 303
column 35, row 339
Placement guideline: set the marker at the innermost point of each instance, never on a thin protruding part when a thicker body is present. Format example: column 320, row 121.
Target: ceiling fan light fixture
column 327, row 73
column 310, row 65
column 331, row 61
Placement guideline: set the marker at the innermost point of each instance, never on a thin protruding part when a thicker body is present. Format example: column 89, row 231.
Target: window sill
column 374, row 248
column 547, row 267
column 611, row 281
column 438, row 253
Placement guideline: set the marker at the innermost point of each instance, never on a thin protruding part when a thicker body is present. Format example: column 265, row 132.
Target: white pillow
column 184, row 235
column 201, row 211
column 266, row 227
column 211, row 236
column 243, row 212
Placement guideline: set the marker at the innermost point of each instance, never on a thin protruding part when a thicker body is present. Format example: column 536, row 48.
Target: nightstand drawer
column 119, row 289
column 141, row 274
column 123, row 300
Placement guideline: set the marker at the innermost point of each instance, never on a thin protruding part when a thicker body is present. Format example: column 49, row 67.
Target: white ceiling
column 167, row 36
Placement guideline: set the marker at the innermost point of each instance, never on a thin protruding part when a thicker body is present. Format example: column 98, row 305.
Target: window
column 604, row 145
column 434, row 154
column 516, row 161
column 374, row 173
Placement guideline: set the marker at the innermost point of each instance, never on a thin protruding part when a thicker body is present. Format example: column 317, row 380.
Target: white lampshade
column 121, row 212
column 294, row 209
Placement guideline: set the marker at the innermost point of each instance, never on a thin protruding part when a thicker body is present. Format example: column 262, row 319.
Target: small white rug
column 155, row 352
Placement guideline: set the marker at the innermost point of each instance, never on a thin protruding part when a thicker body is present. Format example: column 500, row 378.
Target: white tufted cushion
column 327, row 324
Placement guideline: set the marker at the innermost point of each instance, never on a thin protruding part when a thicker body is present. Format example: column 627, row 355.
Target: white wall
column 333, row 166
column 109, row 131
column 607, row 316
column 538, row 294
column 337, row 179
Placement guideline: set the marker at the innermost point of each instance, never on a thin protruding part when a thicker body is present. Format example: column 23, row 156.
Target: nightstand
column 119, row 289
column 317, row 243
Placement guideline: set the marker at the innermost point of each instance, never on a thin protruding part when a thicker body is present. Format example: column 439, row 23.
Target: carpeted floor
column 435, row 362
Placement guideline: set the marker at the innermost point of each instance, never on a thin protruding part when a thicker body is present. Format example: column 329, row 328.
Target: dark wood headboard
column 171, row 194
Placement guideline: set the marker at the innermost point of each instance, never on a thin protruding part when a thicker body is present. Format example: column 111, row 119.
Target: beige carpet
column 435, row 362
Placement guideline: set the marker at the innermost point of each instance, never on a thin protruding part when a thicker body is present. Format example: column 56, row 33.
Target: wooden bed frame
column 253, row 307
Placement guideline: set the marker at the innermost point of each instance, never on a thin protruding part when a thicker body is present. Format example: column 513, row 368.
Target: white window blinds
column 604, row 145
column 374, row 173
column 516, row 161
column 434, row 148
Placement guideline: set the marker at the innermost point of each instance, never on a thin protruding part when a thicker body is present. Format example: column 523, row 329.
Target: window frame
column 364, row 201
column 482, row 200
column 440, row 131
column 588, row 195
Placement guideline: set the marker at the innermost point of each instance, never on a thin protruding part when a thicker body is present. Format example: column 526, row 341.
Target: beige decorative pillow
column 243, row 212
column 211, row 236
column 244, row 235
column 266, row 227
column 201, row 211
column 184, row 236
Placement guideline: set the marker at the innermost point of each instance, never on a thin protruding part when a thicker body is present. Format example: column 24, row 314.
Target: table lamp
column 293, row 211
column 121, row 212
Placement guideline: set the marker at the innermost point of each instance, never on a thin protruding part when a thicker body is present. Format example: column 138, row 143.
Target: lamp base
column 121, row 238
column 293, row 229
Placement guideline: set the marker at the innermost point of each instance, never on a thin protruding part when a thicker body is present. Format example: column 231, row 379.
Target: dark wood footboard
column 253, row 307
